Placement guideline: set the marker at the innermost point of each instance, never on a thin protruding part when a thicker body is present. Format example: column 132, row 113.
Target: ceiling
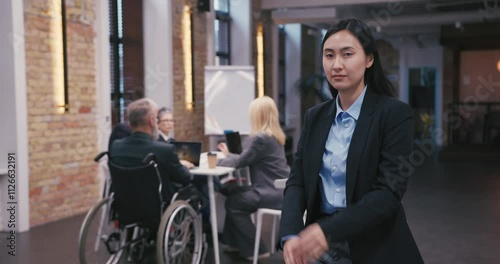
column 389, row 16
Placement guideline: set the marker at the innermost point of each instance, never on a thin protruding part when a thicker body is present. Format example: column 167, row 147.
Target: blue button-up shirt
column 333, row 169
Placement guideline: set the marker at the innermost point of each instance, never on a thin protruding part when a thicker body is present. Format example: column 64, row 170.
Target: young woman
column 347, row 169
column 265, row 156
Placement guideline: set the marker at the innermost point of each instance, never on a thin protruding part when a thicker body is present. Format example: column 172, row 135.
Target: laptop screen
column 189, row 151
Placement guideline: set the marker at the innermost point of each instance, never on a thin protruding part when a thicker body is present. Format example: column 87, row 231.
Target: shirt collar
column 165, row 137
column 355, row 108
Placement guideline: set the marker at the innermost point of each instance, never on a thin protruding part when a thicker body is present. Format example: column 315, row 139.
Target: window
column 126, row 55
column 222, row 35
column 116, row 59
column 282, row 74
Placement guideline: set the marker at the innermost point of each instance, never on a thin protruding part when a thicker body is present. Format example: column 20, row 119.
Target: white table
column 211, row 173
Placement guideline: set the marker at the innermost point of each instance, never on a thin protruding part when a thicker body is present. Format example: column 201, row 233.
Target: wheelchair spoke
column 181, row 229
column 97, row 231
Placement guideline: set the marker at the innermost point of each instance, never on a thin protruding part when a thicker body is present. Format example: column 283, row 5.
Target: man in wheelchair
column 130, row 151
column 151, row 200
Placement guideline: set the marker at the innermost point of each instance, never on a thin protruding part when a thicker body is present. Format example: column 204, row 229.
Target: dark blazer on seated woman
column 121, row 130
column 374, row 222
column 168, row 140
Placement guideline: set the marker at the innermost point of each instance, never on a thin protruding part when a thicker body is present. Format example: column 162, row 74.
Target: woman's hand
column 292, row 251
column 223, row 148
column 314, row 243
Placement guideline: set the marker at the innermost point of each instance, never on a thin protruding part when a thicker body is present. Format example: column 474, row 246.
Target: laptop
column 187, row 150
column 233, row 142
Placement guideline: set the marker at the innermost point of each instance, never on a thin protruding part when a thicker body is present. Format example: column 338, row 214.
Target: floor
column 452, row 207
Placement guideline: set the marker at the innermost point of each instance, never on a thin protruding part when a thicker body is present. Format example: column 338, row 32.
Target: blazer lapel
column 358, row 141
column 317, row 142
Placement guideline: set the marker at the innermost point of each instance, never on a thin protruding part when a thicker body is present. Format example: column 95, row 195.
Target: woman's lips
column 338, row 77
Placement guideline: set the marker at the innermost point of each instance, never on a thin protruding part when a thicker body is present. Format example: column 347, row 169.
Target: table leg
column 238, row 177
column 213, row 217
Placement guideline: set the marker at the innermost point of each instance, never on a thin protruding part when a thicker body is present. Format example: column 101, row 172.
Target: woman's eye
column 347, row 54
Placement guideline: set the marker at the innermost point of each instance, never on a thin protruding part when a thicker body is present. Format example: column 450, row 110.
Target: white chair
column 276, row 214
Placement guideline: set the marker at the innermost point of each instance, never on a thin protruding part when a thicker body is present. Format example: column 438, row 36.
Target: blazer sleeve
column 175, row 170
column 249, row 156
column 384, row 198
column 293, row 207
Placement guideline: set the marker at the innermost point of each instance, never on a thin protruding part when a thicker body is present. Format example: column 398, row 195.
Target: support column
column 241, row 32
column 293, row 73
column 13, row 106
column 158, row 58
column 103, row 75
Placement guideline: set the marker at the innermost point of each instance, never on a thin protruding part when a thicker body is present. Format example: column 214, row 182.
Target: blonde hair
column 265, row 118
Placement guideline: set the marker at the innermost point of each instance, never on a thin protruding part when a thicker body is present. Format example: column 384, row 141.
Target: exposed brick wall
column 189, row 125
column 63, row 178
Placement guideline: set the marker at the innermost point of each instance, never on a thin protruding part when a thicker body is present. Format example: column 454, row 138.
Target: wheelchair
column 132, row 218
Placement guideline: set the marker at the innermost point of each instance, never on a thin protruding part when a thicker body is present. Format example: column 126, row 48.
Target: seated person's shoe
column 261, row 256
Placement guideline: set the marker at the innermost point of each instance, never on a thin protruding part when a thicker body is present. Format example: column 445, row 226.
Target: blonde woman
column 264, row 154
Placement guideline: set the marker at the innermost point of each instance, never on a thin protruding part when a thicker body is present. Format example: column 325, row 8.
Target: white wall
column 13, row 108
column 241, row 32
column 292, row 71
column 103, row 75
column 428, row 54
column 8, row 104
column 210, row 35
column 158, row 69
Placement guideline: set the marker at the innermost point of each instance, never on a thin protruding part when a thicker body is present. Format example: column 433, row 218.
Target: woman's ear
column 369, row 61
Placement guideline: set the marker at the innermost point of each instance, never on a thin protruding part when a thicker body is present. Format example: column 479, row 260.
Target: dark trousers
column 239, row 231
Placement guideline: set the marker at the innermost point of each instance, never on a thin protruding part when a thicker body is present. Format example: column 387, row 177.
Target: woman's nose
column 337, row 64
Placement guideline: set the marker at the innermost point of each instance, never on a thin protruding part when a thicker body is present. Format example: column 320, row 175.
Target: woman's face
column 345, row 62
column 166, row 123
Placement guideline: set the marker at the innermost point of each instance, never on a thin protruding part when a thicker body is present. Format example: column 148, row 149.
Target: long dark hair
column 374, row 76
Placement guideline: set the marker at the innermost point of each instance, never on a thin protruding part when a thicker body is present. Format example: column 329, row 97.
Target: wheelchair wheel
column 179, row 238
column 100, row 241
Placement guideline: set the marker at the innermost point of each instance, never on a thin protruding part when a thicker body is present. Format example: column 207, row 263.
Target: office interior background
column 70, row 67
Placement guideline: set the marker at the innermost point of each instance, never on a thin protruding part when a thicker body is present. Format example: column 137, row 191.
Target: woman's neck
column 348, row 97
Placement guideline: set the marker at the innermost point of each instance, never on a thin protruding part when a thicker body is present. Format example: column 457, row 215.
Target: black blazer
column 169, row 140
column 130, row 151
column 121, row 130
column 374, row 222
